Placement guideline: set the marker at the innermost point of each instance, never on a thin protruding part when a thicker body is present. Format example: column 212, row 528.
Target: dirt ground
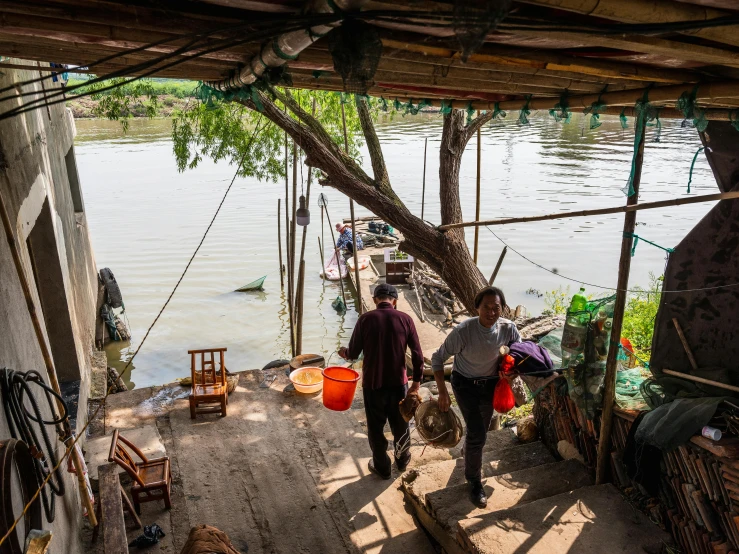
column 280, row 473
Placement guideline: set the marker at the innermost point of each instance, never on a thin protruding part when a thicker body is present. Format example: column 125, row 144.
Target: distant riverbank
column 83, row 108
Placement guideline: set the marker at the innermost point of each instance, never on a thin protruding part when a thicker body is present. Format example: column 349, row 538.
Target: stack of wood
column 698, row 500
column 433, row 294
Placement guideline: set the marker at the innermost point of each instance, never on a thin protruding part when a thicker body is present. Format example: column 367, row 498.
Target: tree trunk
column 446, row 253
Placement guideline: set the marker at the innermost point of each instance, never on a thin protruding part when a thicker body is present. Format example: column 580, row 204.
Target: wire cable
column 638, row 291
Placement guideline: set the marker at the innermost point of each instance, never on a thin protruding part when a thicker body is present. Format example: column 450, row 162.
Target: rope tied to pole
column 642, row 109
column 561, row 110
column 688, row 106
column 637, row 238
column 497, row 112
column 525, row 112
column 692, row 165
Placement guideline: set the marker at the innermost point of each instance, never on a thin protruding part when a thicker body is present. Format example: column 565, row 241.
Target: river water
column 146, row 220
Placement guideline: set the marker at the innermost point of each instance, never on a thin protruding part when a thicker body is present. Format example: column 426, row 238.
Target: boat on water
column 257, row 284
column 335, row 269
column 363, row 262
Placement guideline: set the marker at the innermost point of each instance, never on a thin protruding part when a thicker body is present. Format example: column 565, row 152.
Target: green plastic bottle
column 579, row 301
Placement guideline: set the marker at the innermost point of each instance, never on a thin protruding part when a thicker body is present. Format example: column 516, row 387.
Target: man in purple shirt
column 383, row 335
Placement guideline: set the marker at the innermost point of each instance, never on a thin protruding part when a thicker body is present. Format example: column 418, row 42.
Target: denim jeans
column 475, row 401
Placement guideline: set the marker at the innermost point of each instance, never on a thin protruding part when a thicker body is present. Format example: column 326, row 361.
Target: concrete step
column 496, row 441
column 434, row 476
column 582, row 521
column 450, row 505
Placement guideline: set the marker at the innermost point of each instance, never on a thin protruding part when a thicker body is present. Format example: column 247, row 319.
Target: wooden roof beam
column 653, row 11
column 551, row 61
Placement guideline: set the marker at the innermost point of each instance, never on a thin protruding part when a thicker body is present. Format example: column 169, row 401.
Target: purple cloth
column 530, row 357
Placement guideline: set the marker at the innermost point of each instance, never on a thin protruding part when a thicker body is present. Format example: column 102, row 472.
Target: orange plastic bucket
column 339, row 386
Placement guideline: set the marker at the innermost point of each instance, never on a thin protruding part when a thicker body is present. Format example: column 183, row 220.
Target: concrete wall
column 36, row 159
column 707, row 257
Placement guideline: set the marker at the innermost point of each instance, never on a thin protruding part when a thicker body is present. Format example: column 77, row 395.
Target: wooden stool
column 209, row 386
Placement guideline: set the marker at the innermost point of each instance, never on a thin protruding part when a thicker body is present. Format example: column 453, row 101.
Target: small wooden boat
column 254, row 285
column 335, row 270
column 362, row 260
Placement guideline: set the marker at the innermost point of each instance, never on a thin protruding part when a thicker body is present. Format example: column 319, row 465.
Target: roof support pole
column 624, row 266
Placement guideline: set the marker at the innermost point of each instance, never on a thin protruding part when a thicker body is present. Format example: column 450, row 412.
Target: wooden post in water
column 48, row 361
column 477, row 203
column 279, row 245
column 299, row 326
column 357, row 283
column 497, row 266
column 301, row 267
column 320, row 251
column 624, row 266
column 423, row 182
column 293, row 230
column 287, row 253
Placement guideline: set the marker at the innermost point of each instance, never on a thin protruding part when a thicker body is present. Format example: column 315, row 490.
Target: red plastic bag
column 503, row 399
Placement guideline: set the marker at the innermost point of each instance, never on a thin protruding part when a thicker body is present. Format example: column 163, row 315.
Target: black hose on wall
column 26, row 422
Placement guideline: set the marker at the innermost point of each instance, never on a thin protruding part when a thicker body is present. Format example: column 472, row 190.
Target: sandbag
column 204, row 539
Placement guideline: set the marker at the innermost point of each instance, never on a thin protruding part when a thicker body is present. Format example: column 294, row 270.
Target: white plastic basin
column 307, row 379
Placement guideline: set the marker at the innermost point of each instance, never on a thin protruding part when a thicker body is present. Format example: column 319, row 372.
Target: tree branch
column 373, row 143
column 478, row 122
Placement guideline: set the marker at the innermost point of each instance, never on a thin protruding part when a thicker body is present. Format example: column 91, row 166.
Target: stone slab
column 146, row 438
column 451, row 504
column 433, row 477
column 586, row 520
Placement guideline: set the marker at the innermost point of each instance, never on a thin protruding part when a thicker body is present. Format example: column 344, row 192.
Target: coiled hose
column 25, row 424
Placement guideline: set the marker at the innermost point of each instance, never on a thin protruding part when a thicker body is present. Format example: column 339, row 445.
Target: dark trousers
column 381, row 406
column 475, row 400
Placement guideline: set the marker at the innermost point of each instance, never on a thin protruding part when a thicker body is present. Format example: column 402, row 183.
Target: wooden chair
column 152, row 479
column 209, row 387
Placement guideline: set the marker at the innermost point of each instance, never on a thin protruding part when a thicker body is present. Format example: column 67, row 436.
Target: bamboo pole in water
column 624, row 266
column 320, row 251
column 287, row 253
column 477, row 202
column 423, row 182
column 279, row 245
column 48, row 361
column 293, row 230
column 299, row 326
column 301, row 275
column 497, row 266
column 629, row 208
column 337, row 254
column 357, row 283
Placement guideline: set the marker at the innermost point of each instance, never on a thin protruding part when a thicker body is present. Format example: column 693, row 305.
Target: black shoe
column 402, row 463
column 371, row 466
column 477, row 494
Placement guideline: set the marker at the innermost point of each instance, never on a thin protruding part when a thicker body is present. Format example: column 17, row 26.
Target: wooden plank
column 727, row 447
column 114, row 525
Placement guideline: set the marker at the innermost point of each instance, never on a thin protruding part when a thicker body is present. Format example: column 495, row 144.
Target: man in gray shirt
column 475, row 345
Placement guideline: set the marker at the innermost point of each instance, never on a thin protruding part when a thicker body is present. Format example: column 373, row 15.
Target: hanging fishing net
column 356, row 49
column 474, row 19
column 688, row 106
column 438, row 429
column 561, row 111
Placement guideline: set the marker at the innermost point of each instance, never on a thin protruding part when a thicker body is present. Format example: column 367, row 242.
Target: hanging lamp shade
column 302, row 215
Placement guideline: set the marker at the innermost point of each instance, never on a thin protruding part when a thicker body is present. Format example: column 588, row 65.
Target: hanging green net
column 561, row 111
column 645, row 113
column 383, row 104
column 734, row 118
column 470, row 113
column 446, row 107
column 692, row 165
column 628, row 389
column 688, row 106
column 497, row 112
column 595, row 109
column 622, row 119
column 209, row 96
column 656, row 122
column 525, row 112
column 413, row 110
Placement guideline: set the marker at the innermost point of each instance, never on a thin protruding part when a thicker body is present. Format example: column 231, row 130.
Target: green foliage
column 221, row 130
column 641, row 311
column 557, row 301
column 119, row 102
column 160, row 87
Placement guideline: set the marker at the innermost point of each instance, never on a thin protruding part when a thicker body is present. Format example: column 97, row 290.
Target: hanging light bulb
column 302, row 213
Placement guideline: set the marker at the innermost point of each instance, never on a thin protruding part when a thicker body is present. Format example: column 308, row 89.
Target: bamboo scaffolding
column 599, row 211
column 48, row 361
column 624, row 266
